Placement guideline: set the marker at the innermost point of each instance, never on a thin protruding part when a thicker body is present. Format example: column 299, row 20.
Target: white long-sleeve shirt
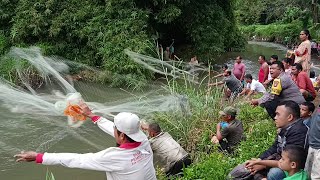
column 124, row 162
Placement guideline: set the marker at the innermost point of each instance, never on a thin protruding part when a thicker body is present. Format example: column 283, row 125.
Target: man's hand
column 85, row 110
column 254, row 169
column 214, row 140
column 254, row 102
column 251, row 162
column 26, row 156
column 144, row 126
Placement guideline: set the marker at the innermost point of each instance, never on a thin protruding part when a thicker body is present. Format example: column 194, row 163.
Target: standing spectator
column 303, row 52
column 172, row 50
column 167, row 150
column 229, row 133
column 283, row 89
column 166, row 54
column 239, row 69
column 132, row 159
column 313, row 159
column 303, row 82
column 264, row 69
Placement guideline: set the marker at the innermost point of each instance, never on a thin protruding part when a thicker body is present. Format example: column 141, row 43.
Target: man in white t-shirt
column 132, row 159
column 253, row 86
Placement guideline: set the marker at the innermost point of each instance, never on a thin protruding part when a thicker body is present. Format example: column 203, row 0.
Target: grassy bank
column 194, row 132
column 279, row 32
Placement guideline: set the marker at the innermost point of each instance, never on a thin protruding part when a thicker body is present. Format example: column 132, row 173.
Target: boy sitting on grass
column 292, row 162
column 230, row 131
column 306, row 111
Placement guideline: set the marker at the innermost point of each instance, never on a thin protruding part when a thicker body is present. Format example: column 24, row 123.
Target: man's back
column 232, row 83
column 233, row 133
column 304, row 82
column 167, row 149
column 290, row 91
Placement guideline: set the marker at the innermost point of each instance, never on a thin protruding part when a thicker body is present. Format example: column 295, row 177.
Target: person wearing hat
column 132, row 159
column 230, row 131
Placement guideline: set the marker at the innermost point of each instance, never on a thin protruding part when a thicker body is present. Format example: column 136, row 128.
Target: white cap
column 129, row 124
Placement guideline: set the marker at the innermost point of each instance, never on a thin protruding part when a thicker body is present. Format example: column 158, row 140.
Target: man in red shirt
column 303, row 82
column 264, row 69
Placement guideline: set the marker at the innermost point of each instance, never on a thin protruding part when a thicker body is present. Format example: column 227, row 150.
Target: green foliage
column 250, row 12
column 273, row 32
column 211, row 30
column 4, row 43
column 49, row 175
column 97, row 32
column 195, row 130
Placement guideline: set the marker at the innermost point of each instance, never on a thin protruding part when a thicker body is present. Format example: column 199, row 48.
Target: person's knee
column 239, row 171
column 275, row 174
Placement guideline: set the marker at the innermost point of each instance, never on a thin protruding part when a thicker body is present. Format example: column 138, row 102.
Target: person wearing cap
column 132, row 159
column 228, row 135
column 167, row 150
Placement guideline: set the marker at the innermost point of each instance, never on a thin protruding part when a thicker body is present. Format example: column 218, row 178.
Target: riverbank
column 286, row 34
column 194, row 132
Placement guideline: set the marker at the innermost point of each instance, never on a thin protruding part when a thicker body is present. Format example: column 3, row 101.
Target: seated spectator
column 313, row 77
column 230, row 131
column 273, row 58
column 167, row 150
column 292, row 132
column 253, row 86
column 313, row 160
column 233, row 84
column 283, row 89
column 303, row 82
column 292, row 162
column 306, row 111
column 316, row 85
column 287, row 62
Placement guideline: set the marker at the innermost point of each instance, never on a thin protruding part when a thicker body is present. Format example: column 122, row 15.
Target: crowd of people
column 287, row 90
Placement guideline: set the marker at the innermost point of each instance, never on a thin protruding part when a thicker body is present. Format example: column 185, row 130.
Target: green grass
column 193, row 132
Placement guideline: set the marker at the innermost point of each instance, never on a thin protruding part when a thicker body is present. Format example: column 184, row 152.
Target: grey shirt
column 290, row 91
column 314, row 132
column 167, row 150
column 233, row 133
column 232, row 82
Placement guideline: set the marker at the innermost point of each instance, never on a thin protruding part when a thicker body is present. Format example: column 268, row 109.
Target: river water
column 18, row 132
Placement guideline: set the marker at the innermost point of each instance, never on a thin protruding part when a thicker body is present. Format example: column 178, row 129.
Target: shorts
column 235, row 93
